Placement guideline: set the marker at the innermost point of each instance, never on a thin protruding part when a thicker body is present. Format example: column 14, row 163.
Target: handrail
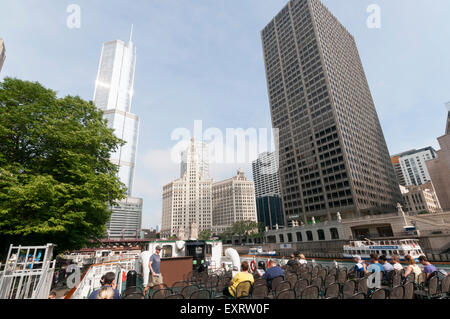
column 116, row 262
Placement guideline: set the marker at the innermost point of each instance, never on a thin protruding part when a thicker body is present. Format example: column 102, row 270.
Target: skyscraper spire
column 131, row 33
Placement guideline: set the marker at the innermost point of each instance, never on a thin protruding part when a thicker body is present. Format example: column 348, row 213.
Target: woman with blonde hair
column 302, row 260
column 106, row 293
column 412, row 268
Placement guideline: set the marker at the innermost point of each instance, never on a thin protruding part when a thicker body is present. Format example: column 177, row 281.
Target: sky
column 203, row 60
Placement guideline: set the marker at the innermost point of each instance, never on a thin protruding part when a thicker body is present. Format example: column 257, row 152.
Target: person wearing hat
column 154, row 264
column 360, row 267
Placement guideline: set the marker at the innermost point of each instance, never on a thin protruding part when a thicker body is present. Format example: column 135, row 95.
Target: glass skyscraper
column 114, row 94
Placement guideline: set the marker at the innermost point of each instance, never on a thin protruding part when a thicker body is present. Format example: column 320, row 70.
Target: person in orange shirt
column 240, row 277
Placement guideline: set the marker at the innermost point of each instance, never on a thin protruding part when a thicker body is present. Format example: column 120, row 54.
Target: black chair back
column 397, row 293
column 378, row 294
column 311, row 292
column 286, row 294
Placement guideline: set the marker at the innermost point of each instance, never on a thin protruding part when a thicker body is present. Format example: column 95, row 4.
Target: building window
column 167, row 251
column 299, row 236
column 334, row 233
column 281, row 238
column 289, row 237
column 309, row 234
column 321, row 234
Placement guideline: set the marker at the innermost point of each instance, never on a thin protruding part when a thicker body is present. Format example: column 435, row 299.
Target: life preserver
column 124, row 276
column 253, row 266
column 267, row 264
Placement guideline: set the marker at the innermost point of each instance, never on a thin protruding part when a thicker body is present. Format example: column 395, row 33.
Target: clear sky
column 202, row 60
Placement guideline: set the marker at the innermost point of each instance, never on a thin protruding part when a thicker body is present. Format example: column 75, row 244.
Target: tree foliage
column 56, row 179
column 205, row 234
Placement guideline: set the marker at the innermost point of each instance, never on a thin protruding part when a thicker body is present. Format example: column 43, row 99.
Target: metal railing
column 91, row 278
column 28, row 272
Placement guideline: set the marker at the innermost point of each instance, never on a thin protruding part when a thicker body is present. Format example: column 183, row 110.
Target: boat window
column 167, row 251
column 402, row 253
column 309, row 234
column 208, row 251
column 321, row 234
column 383, row 252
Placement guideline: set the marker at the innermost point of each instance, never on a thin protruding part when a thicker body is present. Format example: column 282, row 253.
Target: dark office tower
column 333, row 155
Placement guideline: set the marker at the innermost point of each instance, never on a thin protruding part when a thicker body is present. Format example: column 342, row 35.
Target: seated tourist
column 292, row 262
column 396, row 263
column 412, row 268
column 240, row 277
column 302, row 260
column 360, row 267
column 108, row 280
column 106, row 293
column 386, row 265
column 273, row 272
column 428, row 267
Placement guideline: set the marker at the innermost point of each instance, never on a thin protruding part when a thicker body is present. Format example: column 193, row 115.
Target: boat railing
column 28, row 272
column 90, row 280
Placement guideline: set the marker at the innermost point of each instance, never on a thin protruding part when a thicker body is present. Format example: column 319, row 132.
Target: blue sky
column 202, row 60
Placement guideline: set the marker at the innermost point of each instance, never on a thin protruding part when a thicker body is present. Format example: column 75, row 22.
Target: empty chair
column 362, row 286
column 431, row 290
column 348, row 289
column 311, row 292
column 286, row 294
column 161, row 293
column 179, row 285
column 359, row 295
column 317, row 282
column 341, row 276
column 260, row 292
column 330, row 279
column 333, row 271
column 445, row 289
column 201, row 294
column 276, row 281
column 323, row 273
column 378, row 294
column 188, row 291
column 176, row 296
column 397, row 293
column 300, row 286
column 332, row 291
column 409, row 290
column 307, row 276
column 421, row 280
column 282, row 286
column 396, row 278
column 292, row 278
column 260, row 281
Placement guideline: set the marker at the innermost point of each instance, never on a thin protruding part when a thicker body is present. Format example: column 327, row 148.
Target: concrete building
column 233, row 201
column 113, row 94
column 265, row 175
column 439, row 168
column 2, row 53
column 332, row 153
column 420, row 199
column 188, row 200
column 410, row 167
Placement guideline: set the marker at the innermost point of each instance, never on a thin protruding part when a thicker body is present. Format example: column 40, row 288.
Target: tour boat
column 401, row 248
column 258, row 251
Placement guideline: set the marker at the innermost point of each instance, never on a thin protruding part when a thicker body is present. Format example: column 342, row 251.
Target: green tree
column 56, row 180
column 205, row 234
column 244, row 228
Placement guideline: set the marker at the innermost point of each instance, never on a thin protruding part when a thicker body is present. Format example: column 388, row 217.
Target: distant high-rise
column 265, row 175
column 410, row 167
column 439, row 167
column 113, row 94
column 2, row 53
column 188, row 200
column 332, row 153
column 233, row 201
